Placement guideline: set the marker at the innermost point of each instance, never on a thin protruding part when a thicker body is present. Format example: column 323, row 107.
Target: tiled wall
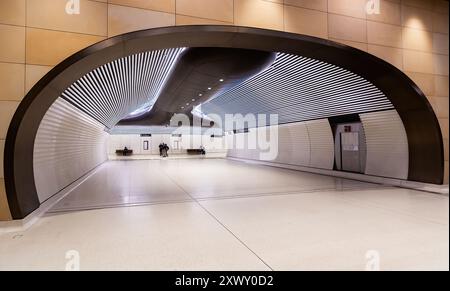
column 35, row 35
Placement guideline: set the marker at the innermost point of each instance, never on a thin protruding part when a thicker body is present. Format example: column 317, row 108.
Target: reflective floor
column 179, row 180
column 216, row 214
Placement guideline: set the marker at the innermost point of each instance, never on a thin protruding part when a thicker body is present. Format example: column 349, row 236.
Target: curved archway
column 426, row 157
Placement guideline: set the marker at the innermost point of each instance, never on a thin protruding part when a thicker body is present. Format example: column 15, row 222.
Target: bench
column 124, row 152
column 195, row 152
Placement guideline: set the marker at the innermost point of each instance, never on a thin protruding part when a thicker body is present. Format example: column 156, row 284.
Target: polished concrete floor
column 119, row 183
column 216, row 214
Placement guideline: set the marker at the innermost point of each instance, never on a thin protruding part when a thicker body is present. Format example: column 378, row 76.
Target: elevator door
column 350, row 151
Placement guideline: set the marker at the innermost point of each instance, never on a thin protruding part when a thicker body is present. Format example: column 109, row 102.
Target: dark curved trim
column 426, row 153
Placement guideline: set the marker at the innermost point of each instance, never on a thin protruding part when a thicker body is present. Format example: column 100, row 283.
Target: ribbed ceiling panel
column 114, row 90
column 300, row 89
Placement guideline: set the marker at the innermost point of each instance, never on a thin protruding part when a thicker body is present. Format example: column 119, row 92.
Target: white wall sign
column 73, row 7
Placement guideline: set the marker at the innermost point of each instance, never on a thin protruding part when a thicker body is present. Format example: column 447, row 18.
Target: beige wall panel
column 417, row 18
column 12, row 12
column 420, row 62
column 221, row 10
column 126, row 19
column 440, row 43
column 424, row 81
column 50, row 14
column 441, row 6
column 158, row 5
column 12, row 40
column 258, row 13
column 415, row 39
column 12, row 81
column 441, row 86
column 359, row 45
column 394, row 56
column 4, row 209
column 353, row 8
column 440, row 65
column 7, row 109
column 45, row 47
column 189, row 20
column 321, row 5
column 347, row 28
column 34, row 74
column 440, row 23
column 384, row 34
column 424, row 4
column 444, row 127
column 441, row 106
column 390, row 13
column 306, row 21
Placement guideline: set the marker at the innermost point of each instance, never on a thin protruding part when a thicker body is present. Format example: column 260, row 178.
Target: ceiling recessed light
column 182, row 107
column 221, row 80
column 200, row 95
column 187, row 104
column 209, row 88
column 193, row 100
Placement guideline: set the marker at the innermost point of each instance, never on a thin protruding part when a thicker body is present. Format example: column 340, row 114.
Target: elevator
column 350, row 144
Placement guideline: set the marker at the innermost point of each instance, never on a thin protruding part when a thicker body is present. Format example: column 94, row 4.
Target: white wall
column 136, row 143
column 132, row 142
column 308, row 144
column 387, row 145
column 311, row 144
column 68, row 145
column 322, row 144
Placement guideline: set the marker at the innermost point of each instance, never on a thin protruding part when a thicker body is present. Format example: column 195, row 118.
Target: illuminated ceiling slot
column 127, row 85
column 299, row 89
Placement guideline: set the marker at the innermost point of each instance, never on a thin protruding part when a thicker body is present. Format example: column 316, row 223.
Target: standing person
column 161, row 146
column 166, row 148
column 203, row 150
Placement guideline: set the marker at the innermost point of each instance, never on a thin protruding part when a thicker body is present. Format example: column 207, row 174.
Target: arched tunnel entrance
column 318, row 88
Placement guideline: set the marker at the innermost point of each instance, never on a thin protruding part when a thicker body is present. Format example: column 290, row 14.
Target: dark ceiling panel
column 201, row 74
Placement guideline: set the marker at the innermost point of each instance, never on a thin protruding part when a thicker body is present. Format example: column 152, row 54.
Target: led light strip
column 299, row 89
column 131, row 84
